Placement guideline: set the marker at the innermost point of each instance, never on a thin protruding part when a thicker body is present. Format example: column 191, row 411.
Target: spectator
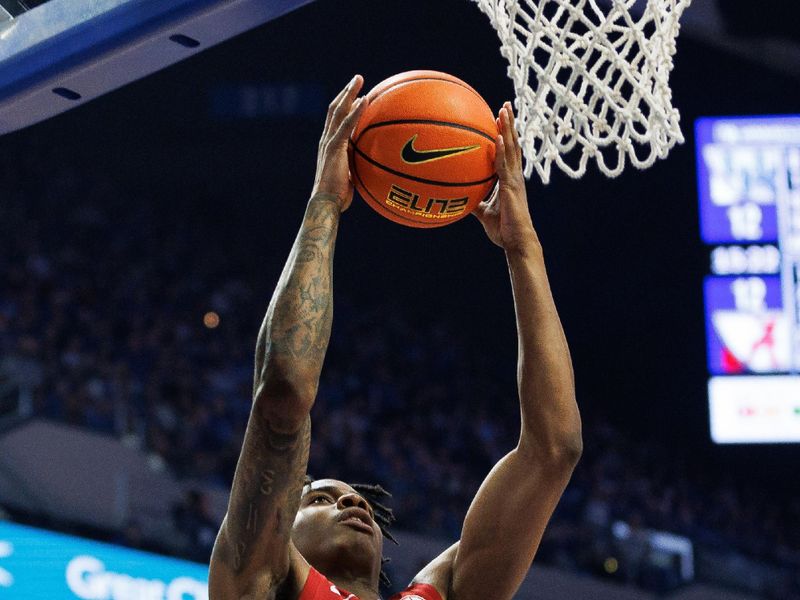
column 192, row 519
column 101, row 309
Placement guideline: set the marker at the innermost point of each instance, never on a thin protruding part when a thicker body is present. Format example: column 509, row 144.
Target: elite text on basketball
column 434, row 208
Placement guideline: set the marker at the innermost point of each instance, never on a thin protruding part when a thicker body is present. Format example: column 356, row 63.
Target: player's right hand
column 333, row 174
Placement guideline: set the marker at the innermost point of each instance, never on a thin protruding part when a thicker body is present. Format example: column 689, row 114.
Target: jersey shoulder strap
column 318, row 587
column 418, row 591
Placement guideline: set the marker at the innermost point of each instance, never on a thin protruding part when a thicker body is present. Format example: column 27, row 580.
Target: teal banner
column 41, row 564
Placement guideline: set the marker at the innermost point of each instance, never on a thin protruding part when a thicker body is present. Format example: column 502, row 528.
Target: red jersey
column 318, row 587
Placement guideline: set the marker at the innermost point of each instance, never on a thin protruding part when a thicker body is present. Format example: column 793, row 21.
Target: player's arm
column 253, row 555
column 505, row 523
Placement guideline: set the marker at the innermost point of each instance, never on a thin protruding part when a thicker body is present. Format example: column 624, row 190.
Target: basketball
column 422, row 153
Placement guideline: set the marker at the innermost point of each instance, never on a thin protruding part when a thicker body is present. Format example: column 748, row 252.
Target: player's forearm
column 296, row 330
column 550, row 418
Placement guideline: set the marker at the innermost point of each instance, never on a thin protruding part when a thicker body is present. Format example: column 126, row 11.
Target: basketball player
column 285, row 539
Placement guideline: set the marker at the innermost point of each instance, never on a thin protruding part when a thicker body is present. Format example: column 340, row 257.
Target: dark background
column 624, row 255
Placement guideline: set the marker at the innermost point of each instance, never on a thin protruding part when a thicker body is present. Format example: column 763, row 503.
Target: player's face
column 335, row 525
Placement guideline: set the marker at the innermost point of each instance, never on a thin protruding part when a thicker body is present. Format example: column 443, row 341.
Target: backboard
column 58, row 54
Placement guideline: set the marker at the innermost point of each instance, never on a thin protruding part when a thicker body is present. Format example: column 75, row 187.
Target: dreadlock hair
column 384, row 516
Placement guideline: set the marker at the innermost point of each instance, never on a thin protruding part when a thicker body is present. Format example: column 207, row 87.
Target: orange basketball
column 422, row 153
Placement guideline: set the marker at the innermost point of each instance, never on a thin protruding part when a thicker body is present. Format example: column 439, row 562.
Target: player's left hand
column 505, row 216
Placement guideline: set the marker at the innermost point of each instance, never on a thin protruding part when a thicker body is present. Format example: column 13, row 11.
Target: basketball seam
column 488, row 194
column 423, row 122
column 420, row 179
column 404, row 81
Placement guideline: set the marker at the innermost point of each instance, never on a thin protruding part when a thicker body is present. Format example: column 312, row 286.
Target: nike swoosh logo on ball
column 413, row 156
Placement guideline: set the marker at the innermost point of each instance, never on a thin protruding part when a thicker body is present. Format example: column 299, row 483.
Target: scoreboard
column 749, row 192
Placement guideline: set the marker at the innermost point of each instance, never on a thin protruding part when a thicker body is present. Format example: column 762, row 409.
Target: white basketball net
column 591, row 82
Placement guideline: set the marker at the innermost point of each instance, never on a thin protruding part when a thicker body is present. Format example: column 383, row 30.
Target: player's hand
column 333, row 174
column 505, row 216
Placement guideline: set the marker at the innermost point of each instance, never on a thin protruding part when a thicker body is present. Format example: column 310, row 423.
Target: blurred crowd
column 102, row 306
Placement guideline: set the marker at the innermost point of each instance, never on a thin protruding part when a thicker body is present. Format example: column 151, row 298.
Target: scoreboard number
column 750, row 294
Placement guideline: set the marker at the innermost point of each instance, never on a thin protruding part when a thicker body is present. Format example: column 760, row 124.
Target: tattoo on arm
column 266, row 488
column 298, row 322
column 290, row 351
